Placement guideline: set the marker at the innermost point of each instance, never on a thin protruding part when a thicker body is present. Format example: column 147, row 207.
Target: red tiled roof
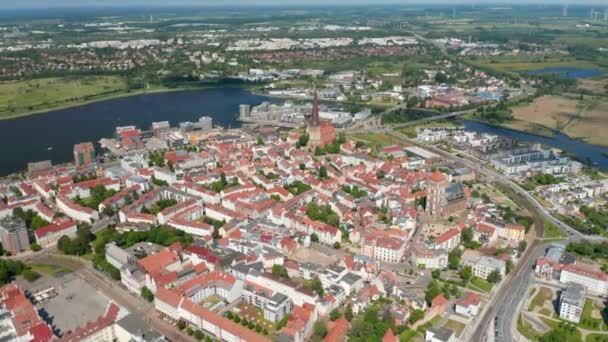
column 440, row 300
column 447, row 236
column 586, row 270
column 53, row 228
column 469, row 299
column 389, row 336
column 337, row 330
column 437, row 176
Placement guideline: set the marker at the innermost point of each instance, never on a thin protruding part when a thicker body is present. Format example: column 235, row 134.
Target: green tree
column 320, row 329
column 280, row 271
column 35, row 247
column 454, row 259
column 494, row 277
column 509, row 266
column 432, row 291
column 466, row 273
column 467, row 235
column 147, row 294
column 317, row 286
column 337, row 245
column 314, row 237
column 436, row 274
column 416, row 316
column 348, row 312
column 334, row 315
column 323, row 173
column 199, row 335
column 30, row 275
column 521, row 246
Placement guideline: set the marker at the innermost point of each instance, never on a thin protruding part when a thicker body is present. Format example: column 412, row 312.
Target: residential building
column 571, row 302
column 468, row 305
column 440, row 334
column 486, row 265
column 14, row 236
column 593, row 279
column 50, row 234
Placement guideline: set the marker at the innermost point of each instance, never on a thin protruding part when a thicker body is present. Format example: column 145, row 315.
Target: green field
column 51, row 270
column 480, row 285
column 588, row 321
column 21, row 98
column 539, row 300
column 552, row 232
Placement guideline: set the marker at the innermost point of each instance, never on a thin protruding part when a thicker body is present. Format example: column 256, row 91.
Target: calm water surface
column 29, row 138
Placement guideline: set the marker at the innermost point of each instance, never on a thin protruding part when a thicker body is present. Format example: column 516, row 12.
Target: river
column 584, row 151
column 52, row 135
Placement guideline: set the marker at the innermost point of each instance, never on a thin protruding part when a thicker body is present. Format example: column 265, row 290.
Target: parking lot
column 73, row 302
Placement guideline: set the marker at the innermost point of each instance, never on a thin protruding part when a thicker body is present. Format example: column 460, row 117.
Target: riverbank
column 75, row 97
column 577, row 116
column 587, row 153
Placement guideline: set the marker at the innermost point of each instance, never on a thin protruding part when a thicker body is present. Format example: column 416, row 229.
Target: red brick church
column 320, row 132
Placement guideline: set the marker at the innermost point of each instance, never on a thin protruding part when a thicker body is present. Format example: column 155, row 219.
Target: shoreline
column 117, row 95
column 538, row 134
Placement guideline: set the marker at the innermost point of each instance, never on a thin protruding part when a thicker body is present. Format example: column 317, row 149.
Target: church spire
column 314, row 116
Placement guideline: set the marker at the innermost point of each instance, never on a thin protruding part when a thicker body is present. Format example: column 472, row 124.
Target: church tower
column 436, row 196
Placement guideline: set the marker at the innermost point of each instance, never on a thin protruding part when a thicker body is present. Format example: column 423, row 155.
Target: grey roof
column 139, row 329
column 350, row 278
column 12, row 224
column 573, row 294
column 441, row 333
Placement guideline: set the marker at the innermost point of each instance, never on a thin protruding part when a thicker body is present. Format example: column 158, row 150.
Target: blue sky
column 110, row 3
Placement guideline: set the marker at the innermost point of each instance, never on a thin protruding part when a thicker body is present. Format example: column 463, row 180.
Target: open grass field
column 552, row 232
column 585, row 118
column 591, row 319
column 596, row 338
column 47, row 93
column 21, row 98
column 377, row 139
column 455, row 325
column 51, row 270
column 479, row 284
column 543, row 295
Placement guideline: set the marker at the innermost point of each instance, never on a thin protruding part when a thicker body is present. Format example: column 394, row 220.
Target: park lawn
column 545, row 311
column 596, row 338
column 51, row 92
column 51, row 270
column 550, row 231
column 377, row 139
column 523, row 328
column 539, row 300
column 479, row 284
column 587, row 319
column 408, row 335
column 455, row 325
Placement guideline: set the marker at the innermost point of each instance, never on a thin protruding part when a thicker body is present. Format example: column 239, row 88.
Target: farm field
column 586, row 119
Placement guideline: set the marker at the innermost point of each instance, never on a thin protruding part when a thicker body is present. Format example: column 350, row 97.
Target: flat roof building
column 14, row 236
